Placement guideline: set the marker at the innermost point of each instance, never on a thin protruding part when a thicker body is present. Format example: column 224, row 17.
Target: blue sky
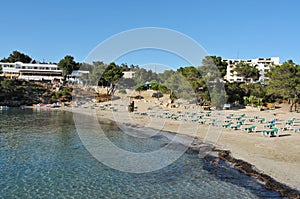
column 49, row 30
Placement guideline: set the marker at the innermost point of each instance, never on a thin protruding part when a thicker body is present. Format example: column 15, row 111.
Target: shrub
column 122, row 91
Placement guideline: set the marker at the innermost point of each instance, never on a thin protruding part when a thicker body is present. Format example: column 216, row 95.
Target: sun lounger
column 226, row 125
column 235, row 127
column 228, row 121
column 238, row 118
column 175, row 117
column 202, row 121
column 201, row 116
column 297, row 130
column 290, row 122
column 272, row 132
column 261, row 120
column 250, row 129
column 208, row 113
column 241, row 121
column 270, row 125
column 195, row 120
column 213, row 123
column 229, row 116
column 251, row 119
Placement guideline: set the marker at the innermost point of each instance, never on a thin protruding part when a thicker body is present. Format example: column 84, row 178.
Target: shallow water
column 41, row 156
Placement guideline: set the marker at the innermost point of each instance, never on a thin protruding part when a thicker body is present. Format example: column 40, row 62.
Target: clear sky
column 49, row 30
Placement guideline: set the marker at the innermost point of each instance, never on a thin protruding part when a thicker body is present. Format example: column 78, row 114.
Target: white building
column 128, row 74
column 262, row 64
column 36, row 72
column 75, row 76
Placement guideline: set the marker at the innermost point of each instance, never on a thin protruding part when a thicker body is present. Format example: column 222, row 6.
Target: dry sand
column 278, row 157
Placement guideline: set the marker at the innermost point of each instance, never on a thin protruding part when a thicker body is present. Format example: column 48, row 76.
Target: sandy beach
column 276, row 156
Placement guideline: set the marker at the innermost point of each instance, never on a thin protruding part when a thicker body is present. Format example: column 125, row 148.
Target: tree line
column 204, row 83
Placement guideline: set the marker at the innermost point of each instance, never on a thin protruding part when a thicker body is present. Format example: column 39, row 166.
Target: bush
column 162, row 88
column 173, row 96
column 140, row 87
column 122, row 91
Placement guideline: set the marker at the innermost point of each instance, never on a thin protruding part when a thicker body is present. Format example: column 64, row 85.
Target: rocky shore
column 16, row 93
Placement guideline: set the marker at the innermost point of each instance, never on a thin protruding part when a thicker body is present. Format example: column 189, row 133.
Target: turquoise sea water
column 41, row 156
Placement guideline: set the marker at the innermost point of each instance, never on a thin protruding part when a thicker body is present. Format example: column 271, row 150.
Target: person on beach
column 132, row 106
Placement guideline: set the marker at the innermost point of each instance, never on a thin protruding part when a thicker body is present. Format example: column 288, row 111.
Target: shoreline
column 239, row 163
column 253, row 165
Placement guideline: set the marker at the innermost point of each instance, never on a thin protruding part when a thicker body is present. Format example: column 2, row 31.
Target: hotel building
column 36, row 72
column 262, row 64
column 128, row 74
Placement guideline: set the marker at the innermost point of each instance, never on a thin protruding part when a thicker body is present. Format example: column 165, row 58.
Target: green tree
column 218, row 62
column 67, row 64
column 111, row 76
column 96, row 73
column 162, row 77
column 159, row 87
column 234, row 92
column 16, row 56
column 254, row 101
column 249, row 100
column 284, row 81
column 246, row 71
column 85, row 67
column 142, row 75
column 164, row 89
column 192, row 75
column 154, row 85
column 218, row 96
column 140, row 87
column 179, row 85
column 107, row 75
column 255, row 89
column 212, row 75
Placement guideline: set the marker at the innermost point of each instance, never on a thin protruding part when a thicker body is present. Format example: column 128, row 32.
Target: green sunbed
column 250, row 129
column 226, row 125
column 238, row 126
column 271, row 132
column 241, row 121
column 271, row 125
column 261, row 120
column 290, row 122
column 251, row 119
column 208, row 113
